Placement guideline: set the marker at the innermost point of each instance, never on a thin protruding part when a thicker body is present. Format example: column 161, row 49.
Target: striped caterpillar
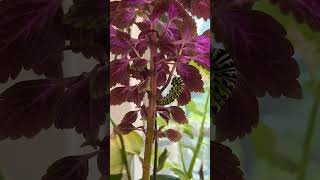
column 174, row 93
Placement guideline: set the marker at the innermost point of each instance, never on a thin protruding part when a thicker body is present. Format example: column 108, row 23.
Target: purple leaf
column 191, row 77
column 130, row 117
column 238, row 115
column 28, row 107
column 261, row 52
column 178, row 115
column 123, row 17
column 119, row 72
column 119, row 95
column 304, row 10
column 226, row 165
column 103, row 157
column 26, row 26
column 71, row 167
column 124, row 128
column 185, row 97
column 173, row 11
column 172, row 135
column 139, row 64
column 137, row 93
column 199, row 8
column 120, row 42
column 76, row 108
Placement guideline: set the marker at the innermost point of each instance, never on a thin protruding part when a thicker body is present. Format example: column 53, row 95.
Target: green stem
column 182, row 159
column 308, row 140
column 200, row 139
column 123, row 152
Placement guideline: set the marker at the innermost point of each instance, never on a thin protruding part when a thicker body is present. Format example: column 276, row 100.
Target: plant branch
column 169, row 78
column 152, row 108
column 182, row 159
column 200, row 139
column 308, row 140
column 155, row 162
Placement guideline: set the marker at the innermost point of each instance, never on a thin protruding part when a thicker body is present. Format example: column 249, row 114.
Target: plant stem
column 182, row 159
column 152, row 109
column 155, row 162
column 123, row 152
column 308, row 139
column 200, row 139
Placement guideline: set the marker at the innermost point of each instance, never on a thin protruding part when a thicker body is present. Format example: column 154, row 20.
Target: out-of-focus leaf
column 162, row 159
column 165, row 177
column 192, row 106
column 264, row 144
column 116, row 163
column 188, row 129
column 180, row 173
column 114, row 177
column 133, row 142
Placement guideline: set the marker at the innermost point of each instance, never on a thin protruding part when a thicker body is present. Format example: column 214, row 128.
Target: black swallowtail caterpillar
column 175, row 91
column 224, row 77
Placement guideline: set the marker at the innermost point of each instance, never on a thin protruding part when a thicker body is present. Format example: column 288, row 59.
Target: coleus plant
column 34, row 36
column 256, row 48
column 161, row 54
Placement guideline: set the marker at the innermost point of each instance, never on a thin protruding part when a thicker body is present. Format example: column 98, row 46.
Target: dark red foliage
column 239, row 115
column 304, row 11
column 225, row 164
column 25, row 26
column 71, row 167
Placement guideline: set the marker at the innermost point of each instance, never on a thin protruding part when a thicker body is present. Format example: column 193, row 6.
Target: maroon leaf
column 127, row 17
column 303, row 10
column 120, row 42
column 119, row 95
column 137, row 93
column 26, row 26
column 238, row 115
column 28, row 107
column 124, row 128
column 172, row 135
column 139, row 64
column 76, row 108
column 103, row 157
column 71, row 167
column 130, row 117
column 119, row 72
column 261, row 52
column 226, row 165
column 178, row 115
column 185, row 97
column 191, row 77
column 199, row 8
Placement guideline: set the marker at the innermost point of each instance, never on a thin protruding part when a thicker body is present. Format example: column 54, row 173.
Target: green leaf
column 192, row 106
column 180, row 173
column 162, row 159
column 114, row 177
column 1, row 176
column 188, row 130
column 265, row 147
column 133, row 142
column 164, row 177
column 116, row 162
